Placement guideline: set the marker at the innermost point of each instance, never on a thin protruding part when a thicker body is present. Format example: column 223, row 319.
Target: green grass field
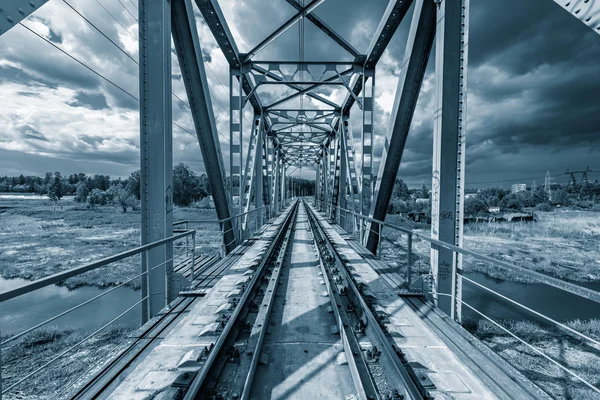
column 563, row 244
column 37, row 240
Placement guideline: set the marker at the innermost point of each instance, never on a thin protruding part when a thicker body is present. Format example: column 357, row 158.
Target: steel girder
column 189, row 54
column 327, row 30
column 393, row 15
column 449, row 150
column 236, row 119
column 586, row 11
column 213, row 16
column 336, row 192
column 416, row 55
column 310, row 7
column 249, row 170
column 156, row 153
column 14, row 11
column 344, row 176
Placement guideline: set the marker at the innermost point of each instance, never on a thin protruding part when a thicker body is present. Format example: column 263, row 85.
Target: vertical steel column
column 283, row 182
column 156, row 152
column 249, row 170
column 259, row 172
column 266, row 176
column 324, row 172
column 331, row 170
column 236, row 117
column 317, row 182
column 368, row 92
column 343, row 176
column 352, row 171
column 449, row 149
column 276, row 179
column 336, row 176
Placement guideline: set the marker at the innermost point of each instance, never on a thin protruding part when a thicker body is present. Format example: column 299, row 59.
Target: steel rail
column 349, row 339
column 200, row 378
column 61, row 276
column 411, row 387
column 265, row 312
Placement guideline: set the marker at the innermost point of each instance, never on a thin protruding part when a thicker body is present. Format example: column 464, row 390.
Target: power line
column 101, row 32
column 102, row 76
column 126, row 9
column 123, row 51
column 79, row 62
column 116, row 20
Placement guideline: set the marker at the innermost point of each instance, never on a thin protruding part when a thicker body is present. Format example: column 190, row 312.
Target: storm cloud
column 532, row 87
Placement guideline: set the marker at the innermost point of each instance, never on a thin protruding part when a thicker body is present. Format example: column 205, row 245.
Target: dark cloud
column 29, row 132
column 532, row 82
column 94, row 101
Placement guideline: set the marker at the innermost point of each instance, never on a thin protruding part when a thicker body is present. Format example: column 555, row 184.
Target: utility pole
column 548, row 185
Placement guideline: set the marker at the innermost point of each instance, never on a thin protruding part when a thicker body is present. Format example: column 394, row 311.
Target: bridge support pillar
column 156, row 153
column 449, row 151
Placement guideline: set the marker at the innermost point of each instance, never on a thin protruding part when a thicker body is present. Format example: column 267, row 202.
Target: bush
column 474, row 206
column 543, row 207
column 81, row 193
column 97, row 198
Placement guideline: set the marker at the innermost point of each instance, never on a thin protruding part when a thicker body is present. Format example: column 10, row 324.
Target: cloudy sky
column 533, row 87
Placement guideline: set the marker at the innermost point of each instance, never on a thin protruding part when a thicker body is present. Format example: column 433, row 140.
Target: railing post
column 380, row 233
column 186, row 240
column 223, row 246
column 193, row 254
column 409, row 259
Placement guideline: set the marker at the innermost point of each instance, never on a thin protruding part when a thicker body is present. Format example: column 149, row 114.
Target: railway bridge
column 299, row 305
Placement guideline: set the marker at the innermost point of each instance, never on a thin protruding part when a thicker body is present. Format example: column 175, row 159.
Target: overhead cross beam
column 318, row 22
column 283, row 28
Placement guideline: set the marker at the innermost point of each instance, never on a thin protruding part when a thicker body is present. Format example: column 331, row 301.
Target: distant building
column 518, row 187
column 470, row 195
column 494, row 209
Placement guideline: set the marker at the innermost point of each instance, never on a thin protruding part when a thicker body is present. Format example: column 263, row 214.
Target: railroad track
column 302, row 329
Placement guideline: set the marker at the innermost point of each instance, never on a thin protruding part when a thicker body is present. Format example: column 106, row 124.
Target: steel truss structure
column 316, row 133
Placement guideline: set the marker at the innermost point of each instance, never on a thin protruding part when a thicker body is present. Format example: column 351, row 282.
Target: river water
column 23, row 312
column 552, row 302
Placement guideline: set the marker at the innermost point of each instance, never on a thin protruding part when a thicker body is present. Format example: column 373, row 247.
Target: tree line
column 98, row 190
column 584, row 196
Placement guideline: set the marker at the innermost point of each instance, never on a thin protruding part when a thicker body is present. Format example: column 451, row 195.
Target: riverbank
column 579, row 356
column 26, row 354
column 564, row 244
column 38, row 239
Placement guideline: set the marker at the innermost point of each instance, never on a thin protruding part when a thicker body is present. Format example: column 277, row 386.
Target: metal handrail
column 548, row 280
column 218, row 220
column 61, row 276
column 569, row 287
